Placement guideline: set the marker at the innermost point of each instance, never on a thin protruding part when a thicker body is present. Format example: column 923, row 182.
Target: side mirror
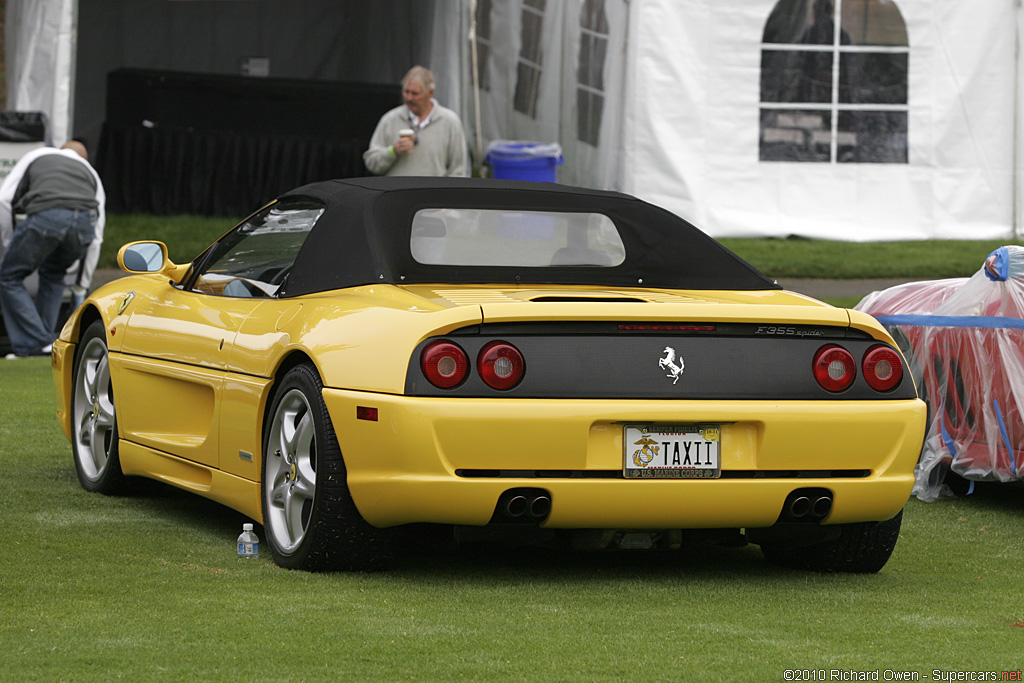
column 142, row 257
column 148, row 257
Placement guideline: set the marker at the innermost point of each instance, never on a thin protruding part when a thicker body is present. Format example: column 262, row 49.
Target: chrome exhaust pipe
column 800, row 506
column 803, row 505
column 516, row 506
column 821, row 507
column 522, row 506
column 540, row 507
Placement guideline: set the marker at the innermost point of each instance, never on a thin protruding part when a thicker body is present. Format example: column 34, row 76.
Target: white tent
column 909, row 128
column 40, row 58
column 685, row 107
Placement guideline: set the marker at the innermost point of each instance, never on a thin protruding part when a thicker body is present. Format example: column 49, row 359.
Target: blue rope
column 981, row 321
column 1006, row 436
column 946, row 438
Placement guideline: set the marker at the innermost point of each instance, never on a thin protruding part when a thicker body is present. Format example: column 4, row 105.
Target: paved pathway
column 832, row 289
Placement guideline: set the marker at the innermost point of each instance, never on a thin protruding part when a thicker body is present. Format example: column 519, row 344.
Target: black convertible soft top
column 363, row 237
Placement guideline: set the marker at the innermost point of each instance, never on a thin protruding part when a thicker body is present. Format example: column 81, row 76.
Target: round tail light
column 834, row 368
column 444, row 364
column 883, row 368
column 500, row 365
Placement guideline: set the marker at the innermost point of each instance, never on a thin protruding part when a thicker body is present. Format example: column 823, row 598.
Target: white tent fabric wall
column 500, row 119
column 595, row 165
column 1019, row 130
column 681, row 91
column 449, row 52
column 693, row 123
column 39, row 38
column 555, row 118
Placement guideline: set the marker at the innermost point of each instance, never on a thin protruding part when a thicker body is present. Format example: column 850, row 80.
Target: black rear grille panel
column 613, row 360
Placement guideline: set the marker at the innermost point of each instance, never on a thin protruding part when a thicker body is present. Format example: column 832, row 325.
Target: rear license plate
column 672, row 451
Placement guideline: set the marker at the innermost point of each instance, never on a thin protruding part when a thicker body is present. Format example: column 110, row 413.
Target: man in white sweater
column 63, row 200
column 437, row 143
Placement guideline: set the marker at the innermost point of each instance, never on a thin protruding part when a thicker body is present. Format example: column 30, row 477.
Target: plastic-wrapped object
column 964, row 341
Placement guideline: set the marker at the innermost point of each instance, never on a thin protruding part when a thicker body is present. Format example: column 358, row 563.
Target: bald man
column 63, row 201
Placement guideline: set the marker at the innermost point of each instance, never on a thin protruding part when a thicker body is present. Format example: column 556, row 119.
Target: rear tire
column 861, row 548
column 310, row 520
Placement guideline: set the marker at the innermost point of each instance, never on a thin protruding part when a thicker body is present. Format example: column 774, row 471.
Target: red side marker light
column 366, row 413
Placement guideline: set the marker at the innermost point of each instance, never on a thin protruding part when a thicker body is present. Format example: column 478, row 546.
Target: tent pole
column 1017, row 229
column 475, row 65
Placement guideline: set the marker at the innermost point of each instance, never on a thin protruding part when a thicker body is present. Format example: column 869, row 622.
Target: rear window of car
column 533, row 239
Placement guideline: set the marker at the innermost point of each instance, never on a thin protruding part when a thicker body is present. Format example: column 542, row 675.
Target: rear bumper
column 411, row 464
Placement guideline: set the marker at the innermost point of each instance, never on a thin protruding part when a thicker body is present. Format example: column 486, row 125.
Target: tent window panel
column 589, row 111
column 593, row 51
column 592, row 16
column 873, row 78
column 793, row 22
column 530, row 49
column 528, row 70
column 483, row 56
column 800, row 83
column 483, row 19
column 796, row 76
column 527, row 86
column 812, row 22
column 878, row 137
column 483, row 42
column 795, row 135
column 590, row 71
column 874, row 22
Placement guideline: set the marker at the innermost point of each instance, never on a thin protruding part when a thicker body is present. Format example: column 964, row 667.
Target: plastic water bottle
column 248, row 543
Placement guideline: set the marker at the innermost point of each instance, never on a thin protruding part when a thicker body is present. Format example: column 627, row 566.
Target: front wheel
column 93, row 418
column 861, row 548
column 310, row 519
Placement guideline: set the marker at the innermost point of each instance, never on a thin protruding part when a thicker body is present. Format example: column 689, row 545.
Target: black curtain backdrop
column 176, row 143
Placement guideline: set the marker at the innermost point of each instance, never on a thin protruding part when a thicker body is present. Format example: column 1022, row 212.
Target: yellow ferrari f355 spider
column 363, row 355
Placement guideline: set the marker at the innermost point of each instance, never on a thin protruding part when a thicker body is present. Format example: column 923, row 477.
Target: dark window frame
column 806, row 78
column 483, row 43
column 590, row 71
column 530, row 66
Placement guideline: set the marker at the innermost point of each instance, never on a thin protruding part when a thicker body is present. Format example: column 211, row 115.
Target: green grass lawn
column 187, row 236
column 96, row 588
column 926, row 259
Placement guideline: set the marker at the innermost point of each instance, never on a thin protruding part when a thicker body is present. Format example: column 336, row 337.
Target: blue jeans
column 48, row 241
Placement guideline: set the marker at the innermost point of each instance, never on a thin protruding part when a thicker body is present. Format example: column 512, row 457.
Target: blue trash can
column 522, row 160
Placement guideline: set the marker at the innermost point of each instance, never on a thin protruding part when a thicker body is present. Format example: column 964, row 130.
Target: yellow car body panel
column 235, row 492
column 406, row 466
column 403, row 468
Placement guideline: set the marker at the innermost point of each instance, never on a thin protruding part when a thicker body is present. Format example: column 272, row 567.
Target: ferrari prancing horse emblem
column 669, row 363
column 127, row 299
